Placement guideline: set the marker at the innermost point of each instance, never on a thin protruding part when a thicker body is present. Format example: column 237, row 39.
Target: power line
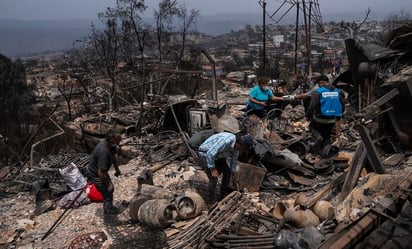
column 285, row 6
column 311, row 13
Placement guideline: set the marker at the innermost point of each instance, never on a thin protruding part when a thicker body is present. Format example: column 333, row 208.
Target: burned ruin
column 355, row 194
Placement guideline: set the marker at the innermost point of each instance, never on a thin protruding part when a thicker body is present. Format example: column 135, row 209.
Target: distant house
column 208, row 70
column 241, row 53
column 278, row 39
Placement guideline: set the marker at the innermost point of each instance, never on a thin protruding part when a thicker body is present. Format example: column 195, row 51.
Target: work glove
column 288, row 97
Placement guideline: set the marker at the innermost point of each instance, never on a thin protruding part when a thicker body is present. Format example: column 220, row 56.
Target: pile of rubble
column 354, row 194
column 304, row 200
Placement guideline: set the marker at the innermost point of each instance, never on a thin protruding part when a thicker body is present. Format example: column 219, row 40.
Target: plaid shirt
column 220, row 145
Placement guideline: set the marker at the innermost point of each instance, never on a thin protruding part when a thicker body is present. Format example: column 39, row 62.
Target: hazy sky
column 87, row 9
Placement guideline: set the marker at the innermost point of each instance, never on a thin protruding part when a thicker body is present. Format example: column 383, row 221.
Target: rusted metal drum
column 157, row 213
column 190, row 205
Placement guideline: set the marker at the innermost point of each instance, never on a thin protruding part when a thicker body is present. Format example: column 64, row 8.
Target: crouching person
column 102, row 158
column 216, row 151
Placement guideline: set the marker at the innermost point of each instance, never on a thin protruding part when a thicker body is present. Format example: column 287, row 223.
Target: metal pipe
column 192, row 152
column 61, row 216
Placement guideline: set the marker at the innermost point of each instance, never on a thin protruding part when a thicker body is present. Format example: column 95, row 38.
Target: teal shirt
column 259, row 95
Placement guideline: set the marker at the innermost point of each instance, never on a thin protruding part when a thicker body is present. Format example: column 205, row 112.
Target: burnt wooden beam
column 309, row 201
column 354, row 171
column 360, row 231
column 375, row 109
column 372, row 153
column 351, row 235
column 161, row 165
column 366, row 115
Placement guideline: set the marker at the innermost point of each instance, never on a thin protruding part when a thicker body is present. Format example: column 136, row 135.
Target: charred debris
column 355, row 194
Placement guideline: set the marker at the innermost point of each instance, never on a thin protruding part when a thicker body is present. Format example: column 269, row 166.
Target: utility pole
column 311, row 11
column 296, row 37
column 264, row 37
column 307, row 20
column 309, row 41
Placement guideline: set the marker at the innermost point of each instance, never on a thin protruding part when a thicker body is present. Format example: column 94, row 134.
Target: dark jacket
column 102, row 157
column 313, row 110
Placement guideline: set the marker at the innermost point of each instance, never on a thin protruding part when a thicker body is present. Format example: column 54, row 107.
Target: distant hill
column 224, row 23
column 24, row 38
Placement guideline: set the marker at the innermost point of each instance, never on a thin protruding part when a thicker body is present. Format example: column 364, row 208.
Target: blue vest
column 330, row 105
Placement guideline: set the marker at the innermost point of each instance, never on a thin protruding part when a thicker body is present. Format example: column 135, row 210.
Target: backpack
column 330, row 104
column 196, row 140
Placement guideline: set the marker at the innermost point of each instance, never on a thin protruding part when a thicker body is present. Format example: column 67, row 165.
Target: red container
column 92, row 192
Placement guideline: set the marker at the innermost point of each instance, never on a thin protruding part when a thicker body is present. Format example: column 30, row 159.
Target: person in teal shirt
column 259, row 97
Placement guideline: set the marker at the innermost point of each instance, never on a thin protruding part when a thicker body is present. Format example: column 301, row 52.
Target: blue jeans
column 223, row 168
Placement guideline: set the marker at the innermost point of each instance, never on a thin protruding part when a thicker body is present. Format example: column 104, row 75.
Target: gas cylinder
column 189, row 205
column 156, row 213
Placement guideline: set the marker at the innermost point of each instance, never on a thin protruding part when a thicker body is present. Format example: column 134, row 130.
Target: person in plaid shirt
column 215, row 151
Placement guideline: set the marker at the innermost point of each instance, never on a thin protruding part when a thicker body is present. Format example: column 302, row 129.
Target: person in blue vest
column 259, row 97
column 325, row 108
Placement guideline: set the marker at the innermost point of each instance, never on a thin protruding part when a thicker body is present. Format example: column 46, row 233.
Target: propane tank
column 145, row 193
column 157, row 213
column 135, row 203
column 189, row 205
